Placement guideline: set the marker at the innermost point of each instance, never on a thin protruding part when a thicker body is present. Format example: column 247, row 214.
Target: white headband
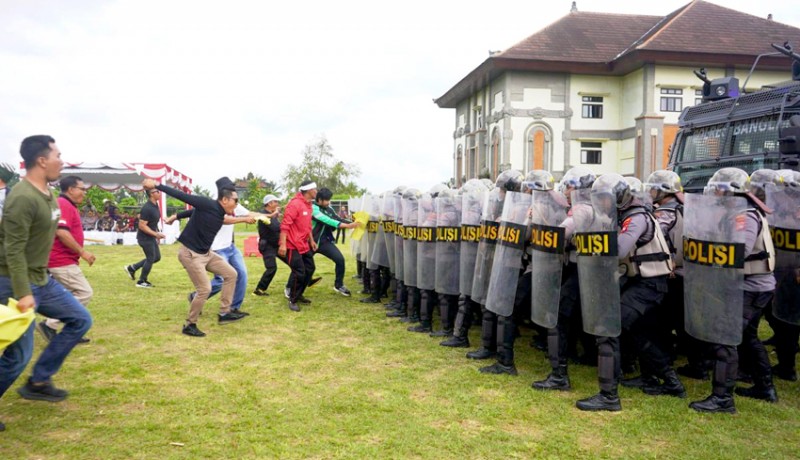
column 307, row 187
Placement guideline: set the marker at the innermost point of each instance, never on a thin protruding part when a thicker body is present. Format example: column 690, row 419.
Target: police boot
column 366, row 276
column 448, row 308
column 400, row 311
column 763, row 389
column 605, row 400
column 359, row 270
column 715, row 403
column 721, row 398
column 499, row 368
column 482, row 353
column 784, row 372
column 672, row 386
column 426, row 301
column 423, row 326
column 413, row 306
column 557, row 380
column 456, row 342
column 385, row 282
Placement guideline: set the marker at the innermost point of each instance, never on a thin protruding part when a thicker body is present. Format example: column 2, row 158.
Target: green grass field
column 337, row 380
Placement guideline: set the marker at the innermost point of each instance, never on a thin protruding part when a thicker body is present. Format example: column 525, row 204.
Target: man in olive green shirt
column 27, row 230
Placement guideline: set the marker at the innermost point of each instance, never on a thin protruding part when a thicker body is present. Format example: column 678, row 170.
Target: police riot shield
column 363, row 251
column 598, row 261
column 713, row 264
column 410, row 219
column 448, row 243
column 387, row 223
column 784, row 224
column 379, row 256
column 484, row 258
column 548, row 211
column 507, row 266
column 426, row 243
column 354, row 204
column 399, row 233
column 373, row 228
column 471, row 211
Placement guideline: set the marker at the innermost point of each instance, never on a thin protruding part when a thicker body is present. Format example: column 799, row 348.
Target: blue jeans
column 233, row 256
column 52, row 301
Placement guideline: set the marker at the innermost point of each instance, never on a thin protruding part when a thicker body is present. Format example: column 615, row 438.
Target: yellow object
column 13, row 323
column 362, row 218
column 264, row 218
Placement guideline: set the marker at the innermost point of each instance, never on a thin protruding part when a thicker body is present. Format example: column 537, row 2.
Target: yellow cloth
column 264, row 218
column 362, row 217
column 13, row 323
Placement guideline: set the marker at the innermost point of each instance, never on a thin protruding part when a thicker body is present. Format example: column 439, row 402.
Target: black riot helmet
column 510, row 180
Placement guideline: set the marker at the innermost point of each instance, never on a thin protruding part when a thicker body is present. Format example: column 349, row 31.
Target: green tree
column 9, row 175
column 95, row 195
column 320, row 166
column 201, row 191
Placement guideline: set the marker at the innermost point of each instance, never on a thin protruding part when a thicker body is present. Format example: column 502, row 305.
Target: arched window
column 459, row 166
column 494, row 160
column 539, row 148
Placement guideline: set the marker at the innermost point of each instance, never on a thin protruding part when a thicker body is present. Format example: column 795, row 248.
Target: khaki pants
column 196, row 266
column 71, row 277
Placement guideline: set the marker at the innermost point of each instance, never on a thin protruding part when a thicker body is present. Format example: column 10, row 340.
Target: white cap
column 269, row 198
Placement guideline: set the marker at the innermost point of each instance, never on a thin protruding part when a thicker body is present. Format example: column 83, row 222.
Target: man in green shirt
column 27, row 231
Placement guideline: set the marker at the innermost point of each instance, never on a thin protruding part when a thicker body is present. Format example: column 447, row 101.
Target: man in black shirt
column 268, row 237
column 196, row 255
column 147, row 236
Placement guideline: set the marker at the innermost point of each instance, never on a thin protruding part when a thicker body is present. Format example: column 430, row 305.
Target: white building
column 603, row 90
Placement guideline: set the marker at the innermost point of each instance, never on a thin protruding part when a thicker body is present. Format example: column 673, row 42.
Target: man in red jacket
column 296, row 246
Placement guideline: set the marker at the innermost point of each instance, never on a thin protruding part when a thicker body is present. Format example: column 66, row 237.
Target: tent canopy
column 112, row 176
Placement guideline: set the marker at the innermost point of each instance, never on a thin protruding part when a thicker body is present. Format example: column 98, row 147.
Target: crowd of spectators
column 119, row 222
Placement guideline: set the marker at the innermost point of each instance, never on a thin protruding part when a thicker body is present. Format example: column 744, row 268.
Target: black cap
column 225, row 183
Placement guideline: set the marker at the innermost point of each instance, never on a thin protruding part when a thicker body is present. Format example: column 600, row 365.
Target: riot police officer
column 576, row 179
column 713, row 313
column 783, row 197
column 426, row 258
column 644, row 256
column 472, row 201
column 508, row 181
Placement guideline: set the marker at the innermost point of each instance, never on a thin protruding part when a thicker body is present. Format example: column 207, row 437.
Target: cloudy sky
column 226, row 87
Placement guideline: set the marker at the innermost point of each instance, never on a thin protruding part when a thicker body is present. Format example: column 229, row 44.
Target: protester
column 268, row 237
column 147, row 237
column 296, row 245
column 27, row 232
column 68, row 250
column 324, row 220
column 225, row 246
column 196, row 256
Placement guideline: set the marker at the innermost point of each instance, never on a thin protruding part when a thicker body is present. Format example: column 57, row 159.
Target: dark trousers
column 152, row 254
column 302, row 266
column 467, row 310
column 752, row 354
column 329, row 250
column 269, row 254
column 507, row 325
column 638, row 304
column 569, row 310
column 339, row 233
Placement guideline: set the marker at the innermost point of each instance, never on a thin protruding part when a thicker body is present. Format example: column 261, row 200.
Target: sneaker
column 260, row 293
column 130, row 272
column 84, row 341
column 144, row 284
column 239, row 311
column 230, row 317
column 45, row 392
column 47, row 332
column 303, row 300
column 287, row 292
column 342, row 290
column 314, row 281
column 294, row 307
column 193, row 331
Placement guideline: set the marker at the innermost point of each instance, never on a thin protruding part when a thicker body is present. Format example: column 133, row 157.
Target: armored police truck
column 746, row 131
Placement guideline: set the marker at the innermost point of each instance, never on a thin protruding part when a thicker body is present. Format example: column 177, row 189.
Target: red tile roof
column 699, row 33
